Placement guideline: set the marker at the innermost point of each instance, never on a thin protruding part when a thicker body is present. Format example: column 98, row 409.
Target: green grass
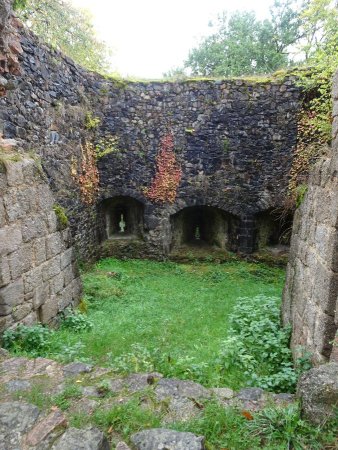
column 163, row 316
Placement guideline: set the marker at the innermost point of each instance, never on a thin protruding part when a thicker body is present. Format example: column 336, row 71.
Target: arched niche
column 204, row 226
column 273, row 229
column 123, row 217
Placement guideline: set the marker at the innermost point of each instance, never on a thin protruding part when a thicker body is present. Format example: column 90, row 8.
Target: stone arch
column 122, row 217
column 204, row 226
column 273, row 228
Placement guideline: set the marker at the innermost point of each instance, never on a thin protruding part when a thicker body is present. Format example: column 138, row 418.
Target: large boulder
column 318, row 392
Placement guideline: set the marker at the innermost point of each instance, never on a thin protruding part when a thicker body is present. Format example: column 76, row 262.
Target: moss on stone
column 61, row 216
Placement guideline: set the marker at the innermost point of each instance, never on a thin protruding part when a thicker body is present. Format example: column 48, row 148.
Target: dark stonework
column 233, row 140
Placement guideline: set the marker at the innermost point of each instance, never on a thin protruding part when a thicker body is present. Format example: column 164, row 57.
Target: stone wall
column 233, row 140
column 311, row 291
column 38, row 273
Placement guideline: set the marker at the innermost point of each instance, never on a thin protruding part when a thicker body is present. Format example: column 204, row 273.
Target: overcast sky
column 149, row 37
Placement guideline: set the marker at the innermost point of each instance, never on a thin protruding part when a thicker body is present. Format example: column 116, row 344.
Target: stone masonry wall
column 311, row 291
column 38, row 273
column 233, row 140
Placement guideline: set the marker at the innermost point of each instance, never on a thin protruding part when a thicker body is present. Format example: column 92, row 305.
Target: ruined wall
column 311, row 291
column 233, row 140
column 38, row 273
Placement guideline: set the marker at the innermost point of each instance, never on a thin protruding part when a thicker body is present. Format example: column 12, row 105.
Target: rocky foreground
column 24, row 426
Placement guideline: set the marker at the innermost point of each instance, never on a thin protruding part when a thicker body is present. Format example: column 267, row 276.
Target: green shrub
column 77, row 322
column 258, row 345
column 35, row 339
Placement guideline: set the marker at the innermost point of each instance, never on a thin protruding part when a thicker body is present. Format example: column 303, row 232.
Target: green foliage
column 107, row 145
column 19, row 4
column 301, row 191
column 91, row 122
column 284, row 427
column 66, row 28
column 258, row 345
column 61, row 216
column 34, row 340
column 127, row 418
column 77, row 322
column 63, row 400
column 241, row 45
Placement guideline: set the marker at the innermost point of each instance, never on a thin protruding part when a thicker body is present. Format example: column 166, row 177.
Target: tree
column 242, row 45
column 66, row 28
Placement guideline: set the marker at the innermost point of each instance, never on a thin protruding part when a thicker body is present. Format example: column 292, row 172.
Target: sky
column 150, row 37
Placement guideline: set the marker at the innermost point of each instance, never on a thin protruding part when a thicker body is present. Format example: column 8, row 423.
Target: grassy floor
column 164, row 316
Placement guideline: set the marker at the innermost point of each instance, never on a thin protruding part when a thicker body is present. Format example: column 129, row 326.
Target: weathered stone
column 16, row 418
column 170, row 387
column 139, row 381
column 161, row 439
column 18, row 385
column 318, row 393
column 122, row 446
column 10, row 296
column 5, row 275
column 76, row 368
column 46, row 430
column 87, row 439
column 10, row 239
column 251, row 394
column 49, row 309
column 223, row 393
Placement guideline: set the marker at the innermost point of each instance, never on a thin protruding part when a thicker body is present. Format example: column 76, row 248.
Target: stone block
column 41, row 295
column 5, row 275
column 10, row 239
column 10, row 296
column 54, row 245
column 21, row 311
column 89, row 438
column 51, row 268
column 14, row 173
column 30, row 320
column 17, row 203
column 57, row 283
column 46, row 430
column 32, row 279
column 318, row 393
column 44, row 197
column 16, row 264
column 67, row 257
column 69, row 276
column 33, row 227
column 52, row 222
column 39, row 251
column 6, row 322
column 49, row 310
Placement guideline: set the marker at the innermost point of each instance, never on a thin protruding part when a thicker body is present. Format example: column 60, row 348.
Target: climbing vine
column 88, row 179
column 163, row 188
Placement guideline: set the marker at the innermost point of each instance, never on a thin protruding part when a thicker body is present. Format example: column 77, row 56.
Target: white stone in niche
column 122, row 224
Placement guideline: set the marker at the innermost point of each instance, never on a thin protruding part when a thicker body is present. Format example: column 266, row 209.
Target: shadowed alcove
column 123, row 217
column 203, row 226
column 273, row 229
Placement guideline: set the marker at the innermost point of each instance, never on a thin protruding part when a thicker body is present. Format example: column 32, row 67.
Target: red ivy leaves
column 168, row 175
column 89, row 178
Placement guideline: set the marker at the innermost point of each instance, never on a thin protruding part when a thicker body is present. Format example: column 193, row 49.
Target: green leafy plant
column 258, row 344
column 34, row 339
column 77, row 322
column 63, row 400
column 91, row 122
